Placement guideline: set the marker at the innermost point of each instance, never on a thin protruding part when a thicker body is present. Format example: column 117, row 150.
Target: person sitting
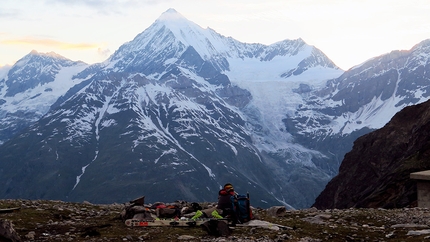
column 224, row 206
column 224, row 199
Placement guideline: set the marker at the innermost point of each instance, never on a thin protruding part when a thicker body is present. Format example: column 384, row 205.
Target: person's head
column 228, row 187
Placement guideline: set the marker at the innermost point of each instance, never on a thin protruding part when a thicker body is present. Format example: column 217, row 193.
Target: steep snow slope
column 31, row 86
column 270, row 73
column 274, row 96
column 368, row 95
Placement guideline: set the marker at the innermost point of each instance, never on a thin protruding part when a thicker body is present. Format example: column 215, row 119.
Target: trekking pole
column 251, row 216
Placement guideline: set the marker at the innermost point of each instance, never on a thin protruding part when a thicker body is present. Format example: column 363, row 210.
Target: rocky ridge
column 43, row 220
column 375, row 173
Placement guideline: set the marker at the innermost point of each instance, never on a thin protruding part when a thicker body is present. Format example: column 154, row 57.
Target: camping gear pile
column 180, row 213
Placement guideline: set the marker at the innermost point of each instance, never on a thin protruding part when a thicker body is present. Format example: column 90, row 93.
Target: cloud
column 105, row 7
column 103, row 52
column 49, row 42
column 103, row 4
column 8, row 13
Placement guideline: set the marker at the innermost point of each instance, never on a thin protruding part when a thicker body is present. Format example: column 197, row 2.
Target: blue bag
column 241, row 208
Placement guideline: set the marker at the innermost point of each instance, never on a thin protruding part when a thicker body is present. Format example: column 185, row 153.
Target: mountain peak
column 172, row 28
column 423, row 46
column 48, row 54
column 178, row 25
column 170, row 11
column 171, row 16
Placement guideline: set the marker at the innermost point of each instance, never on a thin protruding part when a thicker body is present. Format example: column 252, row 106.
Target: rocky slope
column 376, row 172
column 41, row 220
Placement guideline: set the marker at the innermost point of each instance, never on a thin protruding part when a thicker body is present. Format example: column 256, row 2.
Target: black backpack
column 216, row 228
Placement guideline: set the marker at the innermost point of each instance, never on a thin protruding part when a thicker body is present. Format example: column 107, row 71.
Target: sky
column 349, row 32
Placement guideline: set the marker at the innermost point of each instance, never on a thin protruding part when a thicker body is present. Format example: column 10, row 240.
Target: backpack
column 242, row 208
column 216, row 228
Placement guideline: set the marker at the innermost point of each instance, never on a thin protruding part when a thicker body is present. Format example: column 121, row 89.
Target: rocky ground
column 39, row 220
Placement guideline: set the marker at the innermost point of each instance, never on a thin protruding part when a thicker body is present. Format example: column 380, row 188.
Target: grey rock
column 418, row 232
column 8, row 232
column 409, row 226
column 186, row 237
column 277, row 211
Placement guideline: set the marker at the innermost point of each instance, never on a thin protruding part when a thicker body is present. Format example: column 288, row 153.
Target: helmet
column 228, row 187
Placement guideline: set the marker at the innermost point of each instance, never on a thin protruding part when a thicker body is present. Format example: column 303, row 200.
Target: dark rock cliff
column 375, row 173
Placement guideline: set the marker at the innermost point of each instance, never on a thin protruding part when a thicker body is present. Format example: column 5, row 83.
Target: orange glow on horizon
column 50, row 42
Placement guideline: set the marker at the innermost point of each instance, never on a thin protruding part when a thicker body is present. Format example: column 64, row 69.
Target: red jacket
column 224, row 201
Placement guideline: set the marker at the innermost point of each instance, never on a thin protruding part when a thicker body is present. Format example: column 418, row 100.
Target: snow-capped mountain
column 31, row 86
column 180, row 110
column 362, row 99
column 389, row 82
column 170, row 114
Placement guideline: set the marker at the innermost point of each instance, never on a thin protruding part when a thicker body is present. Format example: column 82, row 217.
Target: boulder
column 277, row 211
column 7, row 232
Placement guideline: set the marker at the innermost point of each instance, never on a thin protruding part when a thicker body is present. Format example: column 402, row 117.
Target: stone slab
column 422, row 175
